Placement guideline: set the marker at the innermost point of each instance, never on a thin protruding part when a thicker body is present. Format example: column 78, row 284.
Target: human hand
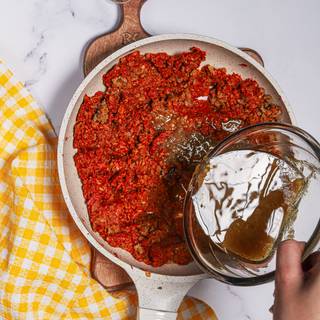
column 297, row 285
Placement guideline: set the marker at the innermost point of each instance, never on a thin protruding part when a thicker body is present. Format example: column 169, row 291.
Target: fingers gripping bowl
column 219, row 55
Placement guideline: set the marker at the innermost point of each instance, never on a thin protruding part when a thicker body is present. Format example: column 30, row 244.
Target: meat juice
column 247, row 199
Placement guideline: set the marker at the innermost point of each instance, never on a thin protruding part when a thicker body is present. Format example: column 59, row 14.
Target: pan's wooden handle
column 128, row 30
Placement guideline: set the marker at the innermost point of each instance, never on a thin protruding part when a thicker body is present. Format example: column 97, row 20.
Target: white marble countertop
column 43, row 42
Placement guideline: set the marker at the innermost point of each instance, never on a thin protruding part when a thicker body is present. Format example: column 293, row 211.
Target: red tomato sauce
column 139, row 140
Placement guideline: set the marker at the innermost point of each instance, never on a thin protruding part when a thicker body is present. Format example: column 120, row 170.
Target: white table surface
column 43, row 42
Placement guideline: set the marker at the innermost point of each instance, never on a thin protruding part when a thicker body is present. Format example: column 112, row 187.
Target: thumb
column 289, row 272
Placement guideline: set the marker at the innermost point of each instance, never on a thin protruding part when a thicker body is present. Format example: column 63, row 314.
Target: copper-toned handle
column 110, row 275
column 129, row 30
column 253, row 54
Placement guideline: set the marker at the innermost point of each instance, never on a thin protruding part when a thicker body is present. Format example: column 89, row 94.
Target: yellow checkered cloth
column 44, row 260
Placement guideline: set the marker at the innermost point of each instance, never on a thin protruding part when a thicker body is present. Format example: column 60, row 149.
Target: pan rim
column 61, row 138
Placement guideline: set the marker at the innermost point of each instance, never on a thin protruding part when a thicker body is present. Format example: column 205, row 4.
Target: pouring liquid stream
column 247, row 199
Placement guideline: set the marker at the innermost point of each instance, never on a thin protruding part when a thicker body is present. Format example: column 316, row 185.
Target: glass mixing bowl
column 274, row 167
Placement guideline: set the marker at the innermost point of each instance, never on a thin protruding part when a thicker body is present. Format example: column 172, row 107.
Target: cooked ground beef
column 139, row 141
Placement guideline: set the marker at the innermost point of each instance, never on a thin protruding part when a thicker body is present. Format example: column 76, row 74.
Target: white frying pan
column 160, row 290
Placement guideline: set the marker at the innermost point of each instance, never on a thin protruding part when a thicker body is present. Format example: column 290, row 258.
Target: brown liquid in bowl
column 249, row 239
column 246, row 201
